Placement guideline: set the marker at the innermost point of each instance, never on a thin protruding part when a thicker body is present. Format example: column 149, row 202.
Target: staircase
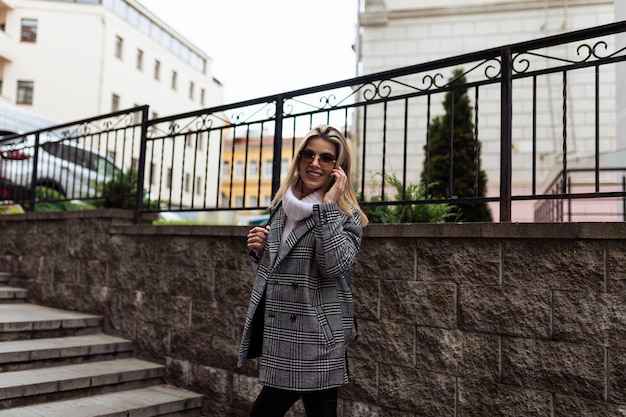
column 57, row 363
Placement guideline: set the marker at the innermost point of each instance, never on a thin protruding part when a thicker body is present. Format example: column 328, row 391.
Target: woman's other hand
column 256, row 238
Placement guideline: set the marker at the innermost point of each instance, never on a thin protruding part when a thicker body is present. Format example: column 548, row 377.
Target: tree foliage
column 465, row 155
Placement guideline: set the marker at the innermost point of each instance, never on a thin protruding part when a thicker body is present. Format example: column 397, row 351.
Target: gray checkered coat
column 307, row 313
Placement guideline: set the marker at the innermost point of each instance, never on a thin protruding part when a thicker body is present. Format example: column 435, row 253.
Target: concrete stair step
column 12, row 294
column 160, row 400
column 28, row 354
column 32, row 386
column 28, row 321
column 58, row 363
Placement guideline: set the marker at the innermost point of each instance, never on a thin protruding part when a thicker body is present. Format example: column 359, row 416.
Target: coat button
column 292, row 318
column 294, row 285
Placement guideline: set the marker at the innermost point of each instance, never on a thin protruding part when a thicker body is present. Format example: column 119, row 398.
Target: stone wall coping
column 591, row 230
column 74, row 214
column 447, row 230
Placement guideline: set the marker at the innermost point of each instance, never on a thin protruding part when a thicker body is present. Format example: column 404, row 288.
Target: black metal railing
column 534, row 106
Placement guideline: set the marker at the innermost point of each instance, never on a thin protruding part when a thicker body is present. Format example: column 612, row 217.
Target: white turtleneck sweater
column 297, row 210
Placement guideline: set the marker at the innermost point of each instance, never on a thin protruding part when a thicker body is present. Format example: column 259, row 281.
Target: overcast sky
column 266, row 47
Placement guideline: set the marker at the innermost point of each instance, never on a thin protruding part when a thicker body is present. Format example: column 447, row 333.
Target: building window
column 168, row 179
column 191, row 88
column 267, row 171
column 139, row 59
column 119, row 46
column 267, row 200
column 25, row 92
column 284, row 166
column 202, row 94
column 188, row 140
column 187, row 182
column 200, row 139
column 115, row 102
column 252, row 169
column 198, row 185
column 157, row 69
column 238, row 201
column 239, row 169
column 225, row 169
column 174, row 79
column 29, row 30
column 252, row 201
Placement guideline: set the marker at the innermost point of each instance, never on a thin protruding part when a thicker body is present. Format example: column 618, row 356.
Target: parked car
column 73, row 170
column 10, row 192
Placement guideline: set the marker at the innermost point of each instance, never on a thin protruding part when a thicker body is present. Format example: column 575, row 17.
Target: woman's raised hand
column 339, row 186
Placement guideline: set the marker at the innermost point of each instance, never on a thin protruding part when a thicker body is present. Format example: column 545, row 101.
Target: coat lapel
column 296, row 234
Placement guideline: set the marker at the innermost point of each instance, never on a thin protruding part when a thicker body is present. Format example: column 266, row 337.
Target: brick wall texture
column 454, row 320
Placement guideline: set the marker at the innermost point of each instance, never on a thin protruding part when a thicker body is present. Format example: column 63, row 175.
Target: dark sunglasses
column 326, row 160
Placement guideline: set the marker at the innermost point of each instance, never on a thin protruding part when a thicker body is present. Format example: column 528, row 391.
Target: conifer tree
column 463, row 162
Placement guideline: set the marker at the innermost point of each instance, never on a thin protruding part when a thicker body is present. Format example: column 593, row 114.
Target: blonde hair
column 347, row 201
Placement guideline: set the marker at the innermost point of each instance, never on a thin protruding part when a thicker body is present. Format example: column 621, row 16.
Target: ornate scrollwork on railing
column 375, row 90
column 173, row 128
column 240, row 117
column 327, row 102
column 519, row 63
column 585, row 52
column 592, row 51
column 432, row 82
column 492, row 71
column 205, row 122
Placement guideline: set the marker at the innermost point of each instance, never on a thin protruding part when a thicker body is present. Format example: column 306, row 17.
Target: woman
column 300, row 315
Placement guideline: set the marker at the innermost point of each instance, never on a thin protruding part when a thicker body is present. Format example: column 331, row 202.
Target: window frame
column 28, row 33
column 115, row 102
column 119, row 47
column 140, row 55
column 174, row 80
column 157, row 70
column 25, row 92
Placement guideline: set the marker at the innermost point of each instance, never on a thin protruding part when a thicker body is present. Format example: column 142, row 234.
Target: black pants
column 274, row 402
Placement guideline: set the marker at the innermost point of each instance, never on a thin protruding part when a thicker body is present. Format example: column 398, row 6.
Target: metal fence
column 534, row 107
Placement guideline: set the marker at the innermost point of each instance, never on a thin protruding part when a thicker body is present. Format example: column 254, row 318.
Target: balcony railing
column 535, row 107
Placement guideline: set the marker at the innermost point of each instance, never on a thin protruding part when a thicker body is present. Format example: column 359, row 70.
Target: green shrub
column 121, row 191
column 408, row 213
column 44, row 201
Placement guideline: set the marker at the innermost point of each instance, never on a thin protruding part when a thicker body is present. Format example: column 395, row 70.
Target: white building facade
column 71, row 60
column 398, row 33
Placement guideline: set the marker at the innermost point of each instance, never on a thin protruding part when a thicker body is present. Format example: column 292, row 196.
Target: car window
column 104, row 166
column 74, row 155
column 81, row 157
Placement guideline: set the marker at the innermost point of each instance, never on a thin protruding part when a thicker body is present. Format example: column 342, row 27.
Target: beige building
column 397, row 33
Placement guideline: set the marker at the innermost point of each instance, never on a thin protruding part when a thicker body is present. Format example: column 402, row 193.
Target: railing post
column 32, row 197
column 506, row 113
column 278, row 145
column 141, row 163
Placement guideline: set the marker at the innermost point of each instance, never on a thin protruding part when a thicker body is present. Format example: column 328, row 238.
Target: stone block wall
column 453, row 319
